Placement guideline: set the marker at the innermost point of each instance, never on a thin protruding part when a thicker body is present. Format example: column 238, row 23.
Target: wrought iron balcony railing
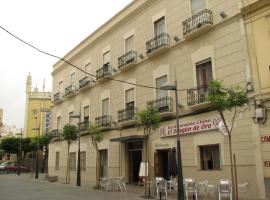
column 104, row 71
column 55, row 133
column 126, row 114
column 104, row 121
column 83, row 126
column 162, row 40
column 85, row 81
column 197, row 21
column 70, row 90
column 163, row 104
column 129, row 57
column 197, row 95
column 57, row 97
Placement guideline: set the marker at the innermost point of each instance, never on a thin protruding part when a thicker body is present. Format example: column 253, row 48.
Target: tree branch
column 224, row 121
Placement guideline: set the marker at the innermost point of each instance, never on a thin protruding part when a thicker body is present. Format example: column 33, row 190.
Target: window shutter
column 106, row 57
column 129, row 43
column 129, row 95
column 105, row 106
column 159, row 82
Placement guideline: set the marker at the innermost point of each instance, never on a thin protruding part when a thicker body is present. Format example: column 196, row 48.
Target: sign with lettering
column 265, row 138
column 191, row 127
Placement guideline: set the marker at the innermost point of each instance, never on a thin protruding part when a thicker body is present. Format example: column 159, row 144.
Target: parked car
column 12, row 167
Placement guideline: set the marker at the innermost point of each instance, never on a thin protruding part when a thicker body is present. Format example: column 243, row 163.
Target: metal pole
column 20, row 156
column 79, row 156
column 37, row 158
column 180, row 195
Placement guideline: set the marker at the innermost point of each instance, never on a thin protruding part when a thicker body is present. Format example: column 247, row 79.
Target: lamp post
column 79, row 151
column 180, row 185
column 37, row 157
column 20, row 154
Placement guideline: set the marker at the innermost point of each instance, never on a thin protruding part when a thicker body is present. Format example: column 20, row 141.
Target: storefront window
column 210, row 157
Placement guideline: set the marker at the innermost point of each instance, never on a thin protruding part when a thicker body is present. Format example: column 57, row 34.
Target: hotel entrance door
column 165, row 164
column 134, row 160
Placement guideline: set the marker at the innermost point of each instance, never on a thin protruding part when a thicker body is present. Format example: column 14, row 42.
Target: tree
column 148, row 119
column 96, row 137
column 69, row 134
column 227, row 99
column 12, row 145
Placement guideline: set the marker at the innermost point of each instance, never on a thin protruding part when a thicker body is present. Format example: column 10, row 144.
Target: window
column 57, row 160
column 59, row 126
column 159, row 82
column 61, row 88
column 86, row 114
column 83, row 160
column 72, row 78
column 70, row 119
column 210, row 157
column 129, row 43
column 105, row 107
column 72, row 161
column 106, row 58
column 159, row 26
column 197, row 5
column 130, row 98
column 87, row 68
column 204, row 72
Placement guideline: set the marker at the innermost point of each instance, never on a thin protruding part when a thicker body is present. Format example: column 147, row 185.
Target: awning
column 131, row 138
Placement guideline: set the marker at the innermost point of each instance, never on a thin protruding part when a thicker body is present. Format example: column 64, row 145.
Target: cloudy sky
column 55, row 26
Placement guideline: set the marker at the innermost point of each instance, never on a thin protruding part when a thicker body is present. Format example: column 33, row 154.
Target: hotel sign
column 190, row 127
column 265, row 139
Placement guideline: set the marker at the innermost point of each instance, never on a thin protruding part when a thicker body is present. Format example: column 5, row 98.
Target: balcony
column 163, row 105
column 85, row 82
column 70, row 91
column 126, row 117
column 55, row 134
column 83, row 126
column 198, row 24
column 127, row 60
column 157, row 45
column 104, row 121
column 197, row 97
column 104, row 72
column 57, row 98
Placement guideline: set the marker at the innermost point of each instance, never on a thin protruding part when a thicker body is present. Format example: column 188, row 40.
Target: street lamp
column 20, row 155
column 37, row 157
column 180, row 195
column 79, row 150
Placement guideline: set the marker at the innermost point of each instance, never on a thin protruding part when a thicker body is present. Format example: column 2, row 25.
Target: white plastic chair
column 190, row 187
column 104, row 184
column 243, row 187
column 224, row 189
column 161, row 184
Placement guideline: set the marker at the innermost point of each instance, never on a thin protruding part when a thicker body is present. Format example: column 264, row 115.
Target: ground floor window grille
column 72, row 161
column 57, row 161
column 83, row 160
column 210, row 157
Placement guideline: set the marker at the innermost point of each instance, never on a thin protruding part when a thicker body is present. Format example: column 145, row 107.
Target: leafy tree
column 227, row 99
column 148, row 120
column 69, row 134
column 96, row 137
column 12, row 145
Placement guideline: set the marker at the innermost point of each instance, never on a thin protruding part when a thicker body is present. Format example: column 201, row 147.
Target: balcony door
column 72, row 79
column 204, row 73
column 130, row 104
column 105, row 107
column 159, row 26
column 197, row 6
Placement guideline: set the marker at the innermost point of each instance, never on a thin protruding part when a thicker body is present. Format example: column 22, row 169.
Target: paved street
column 14, row 187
